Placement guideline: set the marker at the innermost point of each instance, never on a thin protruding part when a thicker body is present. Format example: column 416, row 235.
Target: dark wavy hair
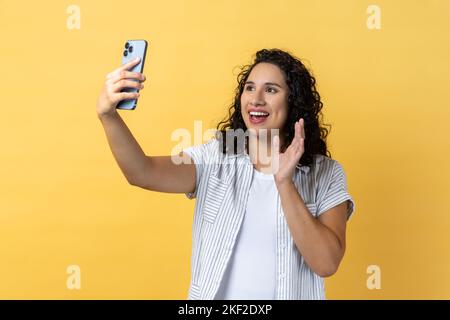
column 303, row 102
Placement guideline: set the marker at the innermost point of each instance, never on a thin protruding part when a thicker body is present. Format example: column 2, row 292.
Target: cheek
column 244, row 117
column 281, row 116
column 284, row 117
column 243, row 104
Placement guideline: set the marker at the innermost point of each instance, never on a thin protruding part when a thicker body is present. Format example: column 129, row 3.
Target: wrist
column 104, row 116
column 284, row 183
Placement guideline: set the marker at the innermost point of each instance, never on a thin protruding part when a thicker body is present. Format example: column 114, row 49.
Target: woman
column 269, row 229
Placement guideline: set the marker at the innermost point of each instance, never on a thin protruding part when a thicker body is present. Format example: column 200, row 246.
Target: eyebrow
column 267, row 84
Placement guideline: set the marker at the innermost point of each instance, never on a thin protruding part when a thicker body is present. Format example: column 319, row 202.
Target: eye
column 270, row 89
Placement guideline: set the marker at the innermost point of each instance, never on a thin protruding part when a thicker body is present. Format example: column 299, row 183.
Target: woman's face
column 266, row 93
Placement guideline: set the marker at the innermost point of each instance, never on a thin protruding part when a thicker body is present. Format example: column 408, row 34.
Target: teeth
column 254, row 113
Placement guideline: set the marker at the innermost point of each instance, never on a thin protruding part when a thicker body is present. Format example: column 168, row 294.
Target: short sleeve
column 336, row 191
column 200, row 155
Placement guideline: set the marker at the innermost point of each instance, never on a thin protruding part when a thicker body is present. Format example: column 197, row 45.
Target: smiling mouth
column 258, row 114
column 257, row 117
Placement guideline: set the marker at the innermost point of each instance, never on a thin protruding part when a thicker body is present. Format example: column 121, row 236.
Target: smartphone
column 131, row 50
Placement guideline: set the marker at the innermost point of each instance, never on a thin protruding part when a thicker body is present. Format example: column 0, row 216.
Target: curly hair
column 303, row 102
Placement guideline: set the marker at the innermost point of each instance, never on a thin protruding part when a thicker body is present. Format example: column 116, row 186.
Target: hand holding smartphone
column 132, row 50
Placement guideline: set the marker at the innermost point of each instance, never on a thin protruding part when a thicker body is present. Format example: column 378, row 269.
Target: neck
column 260, row 152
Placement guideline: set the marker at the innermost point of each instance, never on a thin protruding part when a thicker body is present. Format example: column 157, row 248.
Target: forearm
column 126, row 150
column 318, row 245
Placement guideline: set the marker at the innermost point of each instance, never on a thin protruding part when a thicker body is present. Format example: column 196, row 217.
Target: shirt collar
column 303, row 168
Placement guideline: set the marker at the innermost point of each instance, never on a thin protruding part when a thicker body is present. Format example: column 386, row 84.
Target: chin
column 260, row 130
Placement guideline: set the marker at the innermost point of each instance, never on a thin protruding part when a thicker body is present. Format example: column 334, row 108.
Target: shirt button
column 282, row 275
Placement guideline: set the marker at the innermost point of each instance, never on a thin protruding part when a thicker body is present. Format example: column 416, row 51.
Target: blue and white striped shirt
column 222, row 185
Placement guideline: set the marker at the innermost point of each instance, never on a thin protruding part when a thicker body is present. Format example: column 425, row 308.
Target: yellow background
column 64, row 201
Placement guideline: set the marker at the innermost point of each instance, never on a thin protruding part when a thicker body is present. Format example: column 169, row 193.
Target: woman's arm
column 153, row 173
column 320, row 241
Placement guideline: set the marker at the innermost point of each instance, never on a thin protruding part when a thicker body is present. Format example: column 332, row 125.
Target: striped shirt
column 222, row 186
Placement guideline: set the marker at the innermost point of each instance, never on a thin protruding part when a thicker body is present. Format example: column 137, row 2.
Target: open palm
column 284, row 163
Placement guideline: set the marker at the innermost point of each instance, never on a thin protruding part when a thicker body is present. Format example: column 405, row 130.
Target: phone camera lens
column 125, row 53
column 130, row 49
column 127, row 45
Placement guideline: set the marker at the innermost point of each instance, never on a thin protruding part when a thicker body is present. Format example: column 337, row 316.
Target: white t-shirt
column 251, row 271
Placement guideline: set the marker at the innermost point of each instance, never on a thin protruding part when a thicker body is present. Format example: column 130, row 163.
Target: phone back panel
column 131, row 50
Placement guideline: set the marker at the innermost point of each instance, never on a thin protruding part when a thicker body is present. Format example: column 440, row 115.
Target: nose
column 256, row 103
column 256, row 99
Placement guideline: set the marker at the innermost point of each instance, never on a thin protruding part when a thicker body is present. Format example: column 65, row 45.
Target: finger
column 127, row 65
column 124, row 96
column 126, row 75
column 126, row 84
column 297, row 135
column 135, row 77
column 303, row 128
column 297, row 141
